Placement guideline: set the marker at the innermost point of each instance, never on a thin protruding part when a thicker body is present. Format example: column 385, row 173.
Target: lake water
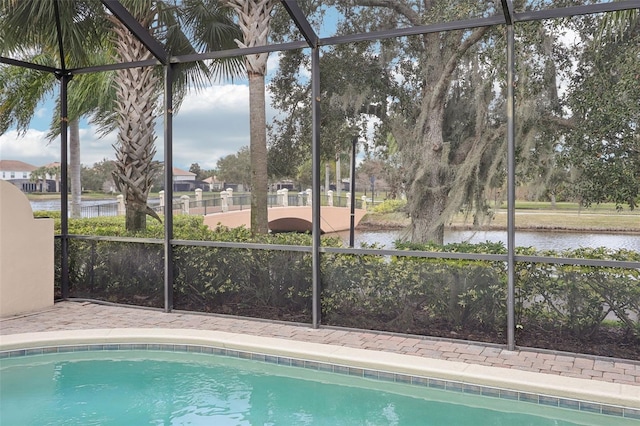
column 540, row 240
column 54, row 205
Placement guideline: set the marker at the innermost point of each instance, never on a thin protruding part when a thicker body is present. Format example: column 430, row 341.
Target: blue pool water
column 169, row 388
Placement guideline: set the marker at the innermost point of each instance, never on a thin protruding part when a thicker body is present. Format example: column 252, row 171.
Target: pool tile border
column 441, row 384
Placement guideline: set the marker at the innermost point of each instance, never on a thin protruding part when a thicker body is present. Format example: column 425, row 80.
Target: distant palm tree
column 41, row 174
column 254, row 17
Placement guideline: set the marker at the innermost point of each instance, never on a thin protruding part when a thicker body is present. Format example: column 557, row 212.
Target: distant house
column 235, row 187
column 184, row 181
column 14, row 169
column 214, row 184
column 19, row 174
column 284, row 184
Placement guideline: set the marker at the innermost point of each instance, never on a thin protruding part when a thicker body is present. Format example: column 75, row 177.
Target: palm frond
column 213, row 28
column 21, row 91
column 619, row 24
column 28, row 24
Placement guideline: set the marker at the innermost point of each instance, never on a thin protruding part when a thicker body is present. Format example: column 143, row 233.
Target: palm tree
column 135, row 90
column 137, row 96
column 18, row 101
column 91, row 96
column 23, row 89
column 254, row 18
column 51, row 171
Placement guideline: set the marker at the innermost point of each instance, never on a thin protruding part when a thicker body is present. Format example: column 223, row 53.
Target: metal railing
column 243, row 202
column 214, row 204
column 98, row 210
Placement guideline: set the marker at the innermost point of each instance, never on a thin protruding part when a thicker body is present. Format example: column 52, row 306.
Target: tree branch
column 400, row 7
column 565, row 123
column 442, row 85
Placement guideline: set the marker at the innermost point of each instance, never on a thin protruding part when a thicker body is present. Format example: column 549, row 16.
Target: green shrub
column 209, row 279
column 415, row 295
column 46, row 214
column 395, row 293
column 577, row 299
column 390, row 206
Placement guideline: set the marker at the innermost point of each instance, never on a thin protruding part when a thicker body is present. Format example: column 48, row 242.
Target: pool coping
column 587, row 395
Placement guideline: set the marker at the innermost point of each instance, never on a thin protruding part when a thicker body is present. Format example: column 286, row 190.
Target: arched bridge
column 289, row 219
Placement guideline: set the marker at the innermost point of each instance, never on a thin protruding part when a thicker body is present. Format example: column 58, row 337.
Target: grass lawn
column 567, row 206
column 536, row 216
column 567, row 220
column 569, row 216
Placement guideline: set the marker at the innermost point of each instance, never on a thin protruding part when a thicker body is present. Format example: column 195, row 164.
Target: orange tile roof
column 16, row 166
column 179, row 172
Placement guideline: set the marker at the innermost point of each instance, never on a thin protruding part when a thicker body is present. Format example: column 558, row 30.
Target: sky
column 210, row 124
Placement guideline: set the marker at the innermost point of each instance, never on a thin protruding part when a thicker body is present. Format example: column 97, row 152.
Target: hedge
column 443, row 297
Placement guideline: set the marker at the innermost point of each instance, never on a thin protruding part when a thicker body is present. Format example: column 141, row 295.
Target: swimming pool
column 194, row 384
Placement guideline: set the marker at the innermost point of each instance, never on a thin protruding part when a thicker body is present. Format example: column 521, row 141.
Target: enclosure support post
column 64, row 187
column 168, row 187
column 315, row 204
column 511, row 190
column 352, row 189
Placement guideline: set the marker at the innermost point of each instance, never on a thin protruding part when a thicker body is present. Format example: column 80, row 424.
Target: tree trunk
column 429, row 187
column 425, row 223
column 135, row 215
column 429, row 169
column 254, row 18
column 258, row 148
column 75, row 168
column 338, row 176
column 327, row 175
column 135, row 149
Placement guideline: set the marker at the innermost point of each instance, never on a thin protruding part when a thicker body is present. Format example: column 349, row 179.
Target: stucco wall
column 26, row 255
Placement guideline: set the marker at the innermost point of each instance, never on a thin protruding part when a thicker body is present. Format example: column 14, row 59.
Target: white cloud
column 273, row 63
column 43, row 112
column 210, row 124
column 93, row 149
column 220, row 97
column 32, row 148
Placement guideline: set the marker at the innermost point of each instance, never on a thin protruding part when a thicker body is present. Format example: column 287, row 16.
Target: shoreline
column 374, row 222
column 374, row 226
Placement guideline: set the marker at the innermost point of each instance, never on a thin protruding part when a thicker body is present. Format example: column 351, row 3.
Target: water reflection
column 539, row 240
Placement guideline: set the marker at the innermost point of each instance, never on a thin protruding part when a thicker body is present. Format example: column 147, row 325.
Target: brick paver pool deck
column 85, row 315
